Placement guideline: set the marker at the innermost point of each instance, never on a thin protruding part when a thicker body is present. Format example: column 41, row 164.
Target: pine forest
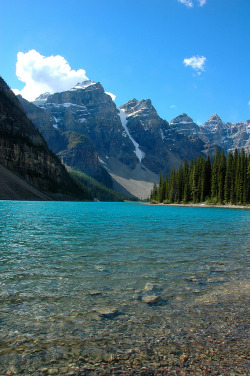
column 224, row 180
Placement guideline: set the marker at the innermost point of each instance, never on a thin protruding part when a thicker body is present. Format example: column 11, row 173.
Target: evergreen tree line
column 225, row 180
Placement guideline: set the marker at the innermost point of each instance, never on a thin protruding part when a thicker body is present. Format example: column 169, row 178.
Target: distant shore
column 202, row 205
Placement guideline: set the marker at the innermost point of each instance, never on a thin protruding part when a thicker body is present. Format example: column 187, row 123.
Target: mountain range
column 127, row 147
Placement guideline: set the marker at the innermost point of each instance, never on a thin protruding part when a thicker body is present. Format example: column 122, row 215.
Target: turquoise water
column 75, row 278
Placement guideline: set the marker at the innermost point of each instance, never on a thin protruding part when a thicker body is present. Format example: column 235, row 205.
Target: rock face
column 24, row 151
column 183, row 124
column 132, row 143
column 162, row 147
column 88, row 112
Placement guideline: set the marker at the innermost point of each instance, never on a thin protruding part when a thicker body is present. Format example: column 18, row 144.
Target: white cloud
column 113, row 96
column 249, row 104
column 45, row 74
column 173, row 106
column 196, row 62
column 190, row 3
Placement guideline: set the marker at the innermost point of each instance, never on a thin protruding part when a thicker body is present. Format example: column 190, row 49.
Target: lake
column 116, row 288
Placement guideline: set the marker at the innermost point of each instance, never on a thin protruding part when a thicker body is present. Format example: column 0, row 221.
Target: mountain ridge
column 131, row 138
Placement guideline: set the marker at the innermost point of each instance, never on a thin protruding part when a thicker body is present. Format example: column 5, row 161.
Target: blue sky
column 189, row 56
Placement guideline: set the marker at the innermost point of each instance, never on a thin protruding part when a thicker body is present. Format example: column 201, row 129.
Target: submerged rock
column 151, row 299
column 151, row 286
column 95, row 293
column 107, row 312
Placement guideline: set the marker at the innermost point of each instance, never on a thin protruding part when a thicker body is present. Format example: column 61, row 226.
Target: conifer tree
column 214, row 177
column 186, row 190
column 228, row 178
column 207, row 178
column 172, row 186
column 179, row 184
column 221, row 176
column 248, row 180
column 166, row 189
column 161, row 189
column 154, row 193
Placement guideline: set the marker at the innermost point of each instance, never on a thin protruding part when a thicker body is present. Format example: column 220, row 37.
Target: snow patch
column 181, row 122
column 139, row 112
column 41, row 99
column 82, row 120
column 67, row 105
column 162, row 135
column 83, row 85
column 139, row 153
column 56, row 120
column 101, row 161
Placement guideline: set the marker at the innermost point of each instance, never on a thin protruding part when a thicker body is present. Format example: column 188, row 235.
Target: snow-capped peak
column 42, row 97
column 83, row 85
column 138, row 108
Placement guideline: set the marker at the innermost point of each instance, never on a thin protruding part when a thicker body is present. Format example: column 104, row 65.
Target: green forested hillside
column 226, row 179
column 99, row 191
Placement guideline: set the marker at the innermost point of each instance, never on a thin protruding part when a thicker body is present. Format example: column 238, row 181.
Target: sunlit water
column 87, row 283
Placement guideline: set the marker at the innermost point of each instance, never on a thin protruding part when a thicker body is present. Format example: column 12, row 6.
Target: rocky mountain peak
column 83, row 85
column 182, row 119
column 183, row 124
column 139, row 108
column 87, row 93
column 214, row 119
column 41, row 99
column 43, row 96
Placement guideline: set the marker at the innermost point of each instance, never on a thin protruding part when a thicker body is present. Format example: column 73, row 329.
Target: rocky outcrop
column 81, row 154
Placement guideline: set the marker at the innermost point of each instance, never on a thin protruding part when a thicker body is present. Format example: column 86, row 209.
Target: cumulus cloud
column 45, row 74
column 113, row 96
column 191, row 3
column 196, row 62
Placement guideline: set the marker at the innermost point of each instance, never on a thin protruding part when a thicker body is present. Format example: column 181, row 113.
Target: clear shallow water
column 74, row 279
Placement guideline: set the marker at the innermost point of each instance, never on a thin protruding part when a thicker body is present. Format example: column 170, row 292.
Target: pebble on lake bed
column 108, row 313
column 151, row 299
column 95, row 293
column 151, row 286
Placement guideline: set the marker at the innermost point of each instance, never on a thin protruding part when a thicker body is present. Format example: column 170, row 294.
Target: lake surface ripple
column 117, row 288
